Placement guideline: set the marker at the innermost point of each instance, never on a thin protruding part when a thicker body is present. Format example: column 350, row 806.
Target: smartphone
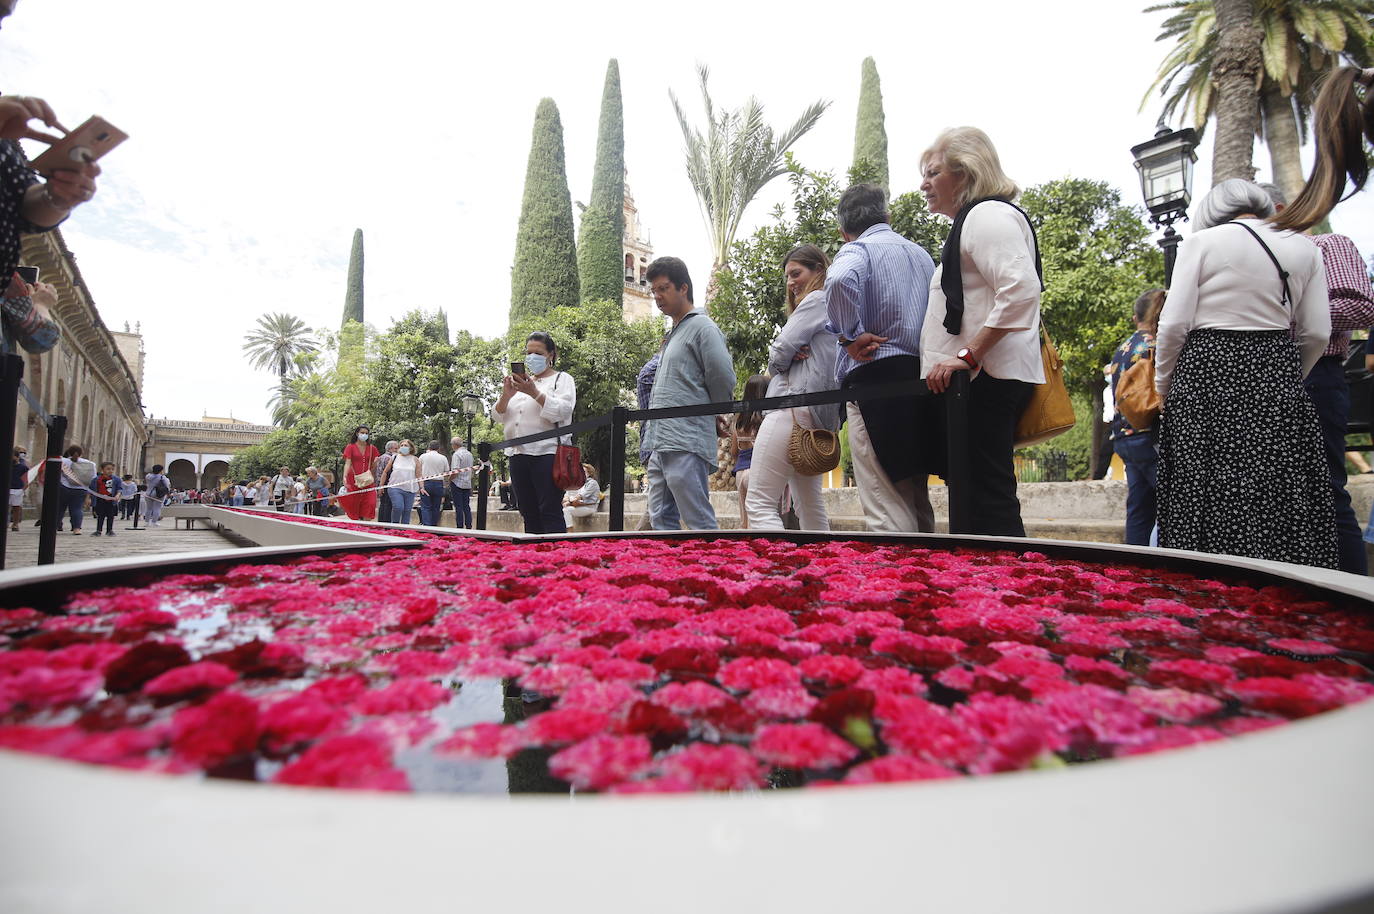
column 28, row 274
column 517, row 368
column 83, row 145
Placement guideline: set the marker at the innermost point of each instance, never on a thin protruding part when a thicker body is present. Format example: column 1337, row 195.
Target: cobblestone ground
column 21, row 549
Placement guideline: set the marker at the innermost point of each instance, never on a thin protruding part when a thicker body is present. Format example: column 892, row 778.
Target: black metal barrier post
column 10, row 374
column 956, row 439
column 51, row 510
column 620, row 417
column 483, row 483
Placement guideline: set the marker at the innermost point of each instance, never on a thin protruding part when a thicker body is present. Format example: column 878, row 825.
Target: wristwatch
column 966, row 356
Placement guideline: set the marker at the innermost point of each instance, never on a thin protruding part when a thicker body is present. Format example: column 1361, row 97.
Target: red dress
column 358, row 459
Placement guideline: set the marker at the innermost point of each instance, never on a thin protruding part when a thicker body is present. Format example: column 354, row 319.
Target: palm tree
column 283, row 343
column 732, row 162
column 298, row 397
column 276, row 342
column 1299, row 42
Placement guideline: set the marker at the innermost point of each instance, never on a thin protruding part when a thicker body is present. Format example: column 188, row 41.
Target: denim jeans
column 1330, row 395
column 462, row 507
column 679, row 490
column 431, row 502
column 401, row 503
column 1138, row 453
column 74, row 503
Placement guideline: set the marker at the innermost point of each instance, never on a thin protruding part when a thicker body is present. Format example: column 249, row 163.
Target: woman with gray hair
column 1241, row 466
column 984, row 313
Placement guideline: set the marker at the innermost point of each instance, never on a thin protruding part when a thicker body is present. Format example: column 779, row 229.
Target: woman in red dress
column 358, row 457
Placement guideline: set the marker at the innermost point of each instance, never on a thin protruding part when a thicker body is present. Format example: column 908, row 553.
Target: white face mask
column 405, row 450
column 535, row 363
column 362, row 436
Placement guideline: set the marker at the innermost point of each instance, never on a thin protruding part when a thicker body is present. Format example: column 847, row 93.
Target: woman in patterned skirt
column 1241, row 466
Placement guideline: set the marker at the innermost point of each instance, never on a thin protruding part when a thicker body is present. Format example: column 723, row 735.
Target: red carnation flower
column 891, row 769
column 564, row 725
column 210, row 734
column 142, row 663
column 401, row 696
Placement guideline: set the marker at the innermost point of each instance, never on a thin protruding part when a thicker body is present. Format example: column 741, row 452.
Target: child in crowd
column 107, row 488
column 128, row 493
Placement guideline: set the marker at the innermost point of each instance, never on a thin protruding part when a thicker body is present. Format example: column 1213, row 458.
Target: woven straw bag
column 813, row 451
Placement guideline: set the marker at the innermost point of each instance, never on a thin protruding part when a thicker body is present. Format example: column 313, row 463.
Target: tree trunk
column 1281, row 136
column 1236, row 74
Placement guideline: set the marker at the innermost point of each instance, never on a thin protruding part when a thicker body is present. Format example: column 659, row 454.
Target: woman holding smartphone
column 536, row 397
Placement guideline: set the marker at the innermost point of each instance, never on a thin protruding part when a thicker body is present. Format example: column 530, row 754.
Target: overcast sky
column 263, row 134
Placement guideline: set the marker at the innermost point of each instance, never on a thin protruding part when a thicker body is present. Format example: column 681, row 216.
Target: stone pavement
column 21, row 550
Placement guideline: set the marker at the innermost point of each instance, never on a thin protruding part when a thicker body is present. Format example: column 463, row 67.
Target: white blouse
column 524, row 415
column 1001, row 290
column 404, row 470
column 1223, row 280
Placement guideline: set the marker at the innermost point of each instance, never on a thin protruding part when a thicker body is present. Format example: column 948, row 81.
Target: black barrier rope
column 956, row 417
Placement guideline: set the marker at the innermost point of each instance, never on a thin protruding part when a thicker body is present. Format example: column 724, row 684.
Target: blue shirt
column 878, row 283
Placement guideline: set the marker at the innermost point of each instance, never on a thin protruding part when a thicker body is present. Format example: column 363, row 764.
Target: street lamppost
column 1165, row 164
column 472, row 405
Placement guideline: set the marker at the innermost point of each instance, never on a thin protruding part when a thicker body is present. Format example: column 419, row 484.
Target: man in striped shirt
column 876, row 291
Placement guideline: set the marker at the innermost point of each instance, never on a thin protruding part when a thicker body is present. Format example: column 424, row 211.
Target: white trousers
column 889, row 507
column 571, row 511
column 770, row 472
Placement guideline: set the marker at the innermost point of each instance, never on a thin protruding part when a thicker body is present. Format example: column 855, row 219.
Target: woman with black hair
column 536, row 401
column 358, row 457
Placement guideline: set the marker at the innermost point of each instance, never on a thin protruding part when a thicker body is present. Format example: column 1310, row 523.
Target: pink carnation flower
column 206, row 676
column 1174, row 705
column 42, row 687
column 564, row 725
column 355, row 761
column 831, row 670
column 402, row 695
column 891, row 769
column 780, row 702
column 689, row 697
column 748, row 673
column 1304, row 648
column 802, row 746
column 601, row 761
column 484, row 740
column 710, row 767
column 297, row 719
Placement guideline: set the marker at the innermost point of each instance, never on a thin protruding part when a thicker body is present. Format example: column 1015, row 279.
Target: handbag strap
column 1287, row 300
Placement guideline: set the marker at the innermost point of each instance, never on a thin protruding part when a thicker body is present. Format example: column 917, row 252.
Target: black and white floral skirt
column 1241, row 465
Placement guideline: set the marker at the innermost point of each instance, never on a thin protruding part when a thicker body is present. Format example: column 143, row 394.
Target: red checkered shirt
column 1347, row 284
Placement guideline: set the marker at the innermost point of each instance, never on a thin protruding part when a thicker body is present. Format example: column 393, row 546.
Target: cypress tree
column 353, row 298
column 545, row 272
column 600, row 263
column 870, row 133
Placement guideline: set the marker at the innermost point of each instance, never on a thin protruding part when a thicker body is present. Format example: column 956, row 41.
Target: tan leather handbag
column 1050, row 411
column 1136, row 397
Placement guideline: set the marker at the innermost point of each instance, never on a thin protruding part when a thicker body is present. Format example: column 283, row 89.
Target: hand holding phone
column 80, row 148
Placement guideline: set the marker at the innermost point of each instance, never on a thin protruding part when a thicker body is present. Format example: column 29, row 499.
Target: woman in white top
column 802, row 360
column 1242, row 470
column 401, row 473
column 536, row 401
column 984, row 313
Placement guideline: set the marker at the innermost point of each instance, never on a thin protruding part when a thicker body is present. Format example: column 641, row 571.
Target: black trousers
column 539, row 500
column 994, row 407
column 1331, row 396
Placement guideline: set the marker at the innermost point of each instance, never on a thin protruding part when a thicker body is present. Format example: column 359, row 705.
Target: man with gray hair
column 460, row 484
column 876, row 293
column 1351, row 301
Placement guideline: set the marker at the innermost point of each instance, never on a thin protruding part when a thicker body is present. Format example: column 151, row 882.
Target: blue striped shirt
column 879, row 283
